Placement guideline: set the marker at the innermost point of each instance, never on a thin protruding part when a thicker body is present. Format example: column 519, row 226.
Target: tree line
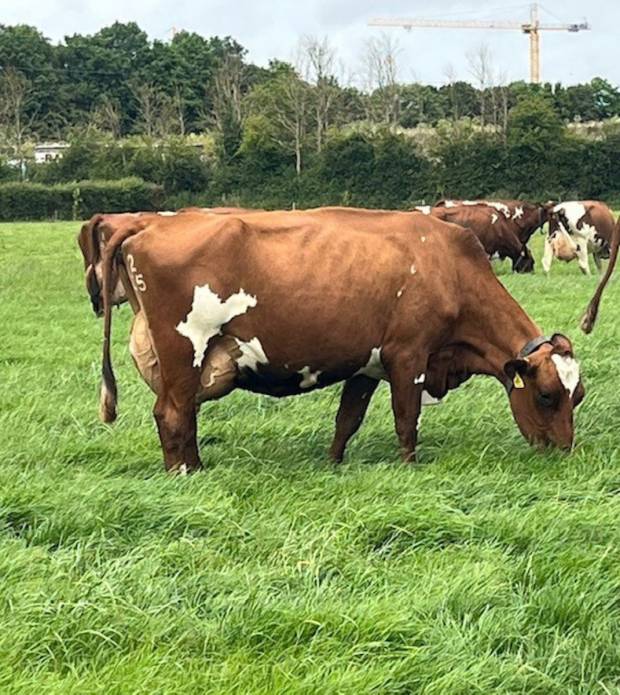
column 300, row 131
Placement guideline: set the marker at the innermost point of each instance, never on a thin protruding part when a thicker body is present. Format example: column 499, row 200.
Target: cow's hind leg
column 354, row 401
column 547, row 258
column 597, row 261
column 175, row 414
column 582, row 257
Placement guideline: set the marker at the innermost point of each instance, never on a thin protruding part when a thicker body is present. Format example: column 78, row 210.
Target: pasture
column 486, row 567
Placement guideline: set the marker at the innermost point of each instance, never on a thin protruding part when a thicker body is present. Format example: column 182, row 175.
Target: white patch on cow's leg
column 547, row 255
column 427, row 399
column 309, row 378
column 568, row 372
column 374, row 367
column 252, row 354
column 208, row 314
column 419, row 379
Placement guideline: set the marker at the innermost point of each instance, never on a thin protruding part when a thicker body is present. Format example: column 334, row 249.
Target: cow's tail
column 589, row 318
column 109, row 393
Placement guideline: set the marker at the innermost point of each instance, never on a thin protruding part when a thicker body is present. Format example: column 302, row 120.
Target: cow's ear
column 561, row 345
column 515, row 370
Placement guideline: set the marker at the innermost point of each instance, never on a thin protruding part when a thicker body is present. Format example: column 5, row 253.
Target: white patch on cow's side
column 573, row 210
column 500, row 207
column 413, row 270
column 167, row 213
column 374, row 367
column 399, row 293
column 208, row 314
column 420, row 379
column 568, row 371
column 494, row 218
column 518, row 214
column 426, row 209
column 309, row 378
column 252, row 354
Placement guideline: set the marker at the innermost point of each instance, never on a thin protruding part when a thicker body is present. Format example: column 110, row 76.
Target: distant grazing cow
column 503, row 227
column 577, row 228
column 286, row 302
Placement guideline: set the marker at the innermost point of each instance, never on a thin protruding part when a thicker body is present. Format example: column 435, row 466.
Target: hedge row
column 77, row 200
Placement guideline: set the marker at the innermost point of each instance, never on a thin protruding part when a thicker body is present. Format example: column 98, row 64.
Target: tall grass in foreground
column 488, row 567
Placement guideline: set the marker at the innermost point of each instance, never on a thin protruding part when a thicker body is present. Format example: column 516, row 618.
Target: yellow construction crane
column 531, row 28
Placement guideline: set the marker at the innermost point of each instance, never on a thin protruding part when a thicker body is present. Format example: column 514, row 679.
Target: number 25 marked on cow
column 138, row 277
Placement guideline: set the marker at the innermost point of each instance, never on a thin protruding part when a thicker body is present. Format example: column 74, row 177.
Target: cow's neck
column 496, row 330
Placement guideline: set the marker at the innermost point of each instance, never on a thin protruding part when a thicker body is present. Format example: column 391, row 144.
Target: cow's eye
column 546, row 400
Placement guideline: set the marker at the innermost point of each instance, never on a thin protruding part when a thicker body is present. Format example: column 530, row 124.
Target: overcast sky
column 271, row 29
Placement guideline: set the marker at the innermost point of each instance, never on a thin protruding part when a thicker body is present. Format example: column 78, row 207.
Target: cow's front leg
column 175, row 415
column 407, row 383
column 547, row 255
column 582, row 258
column 354, row 401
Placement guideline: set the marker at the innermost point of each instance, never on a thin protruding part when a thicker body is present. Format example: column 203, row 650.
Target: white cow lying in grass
column 577, row 228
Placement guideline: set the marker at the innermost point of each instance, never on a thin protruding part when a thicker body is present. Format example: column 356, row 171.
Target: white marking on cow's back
column 518, row 214
column 208, row 314
column 470, row 202
column 420, row 379
column 423, row 239
column 309, row 378
column 252, row 354
column 399, row 293
column 450, row 204
column 494, row 218
column 374, row 367
column 568, row 371
column 500, row 207
column 167, row 213
column 426, row 209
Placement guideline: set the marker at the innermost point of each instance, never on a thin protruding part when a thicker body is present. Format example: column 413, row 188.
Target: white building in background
column 49, row 151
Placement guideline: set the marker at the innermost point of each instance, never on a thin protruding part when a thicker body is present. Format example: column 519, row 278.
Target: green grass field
column 487, row 567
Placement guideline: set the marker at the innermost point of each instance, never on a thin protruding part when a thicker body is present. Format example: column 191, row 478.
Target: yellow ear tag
column 517, row 382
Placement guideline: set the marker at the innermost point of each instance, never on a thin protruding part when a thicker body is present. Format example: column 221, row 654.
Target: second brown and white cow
column 578, row 228
column 503, row 227
column 286, row 302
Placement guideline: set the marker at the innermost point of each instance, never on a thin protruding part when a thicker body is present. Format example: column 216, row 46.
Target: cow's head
column 92, row 240
column 545, row 387
column 525, row 262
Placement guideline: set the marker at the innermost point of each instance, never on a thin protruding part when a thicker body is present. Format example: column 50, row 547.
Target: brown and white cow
column 286, row 302
column 576, row 229
column 589, row 318
column 503, row 227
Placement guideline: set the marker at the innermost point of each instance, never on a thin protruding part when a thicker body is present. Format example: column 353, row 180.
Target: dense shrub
column 37, row 201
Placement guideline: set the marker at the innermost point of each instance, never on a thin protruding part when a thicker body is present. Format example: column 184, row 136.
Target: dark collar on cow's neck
column 532, row 346
column 527, row 350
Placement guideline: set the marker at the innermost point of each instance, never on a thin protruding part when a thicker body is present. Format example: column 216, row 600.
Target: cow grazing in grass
column 576, row 229
column 503, row 227
column 286, row 302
